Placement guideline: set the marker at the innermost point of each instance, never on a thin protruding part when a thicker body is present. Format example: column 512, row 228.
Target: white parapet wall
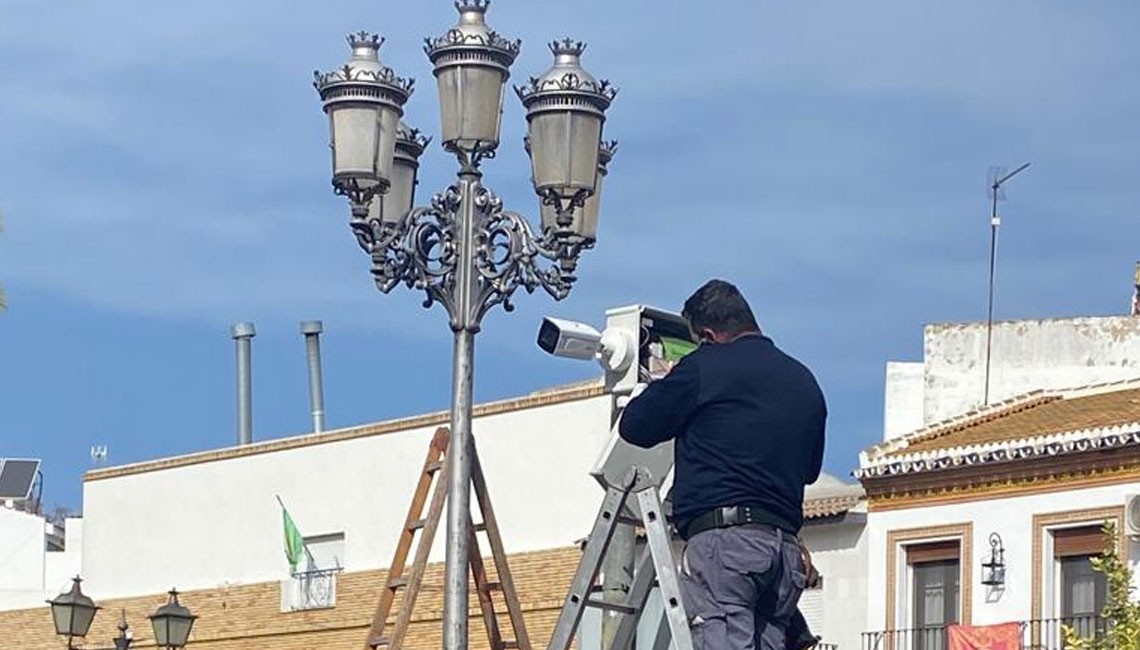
column 1025, row 355
column 213, row 519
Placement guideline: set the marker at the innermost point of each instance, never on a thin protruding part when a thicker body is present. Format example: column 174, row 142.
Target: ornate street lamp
column 172, row 623
column 463, row 249
column 73, row 612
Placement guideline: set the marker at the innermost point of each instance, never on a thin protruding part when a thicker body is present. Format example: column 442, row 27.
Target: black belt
column 732, row 516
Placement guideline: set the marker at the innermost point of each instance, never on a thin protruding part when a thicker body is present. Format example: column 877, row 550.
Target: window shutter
column 811, row 606
column 932, row 552
column 1086, row 540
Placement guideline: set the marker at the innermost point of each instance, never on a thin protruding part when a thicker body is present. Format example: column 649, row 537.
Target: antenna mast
column 998, row 177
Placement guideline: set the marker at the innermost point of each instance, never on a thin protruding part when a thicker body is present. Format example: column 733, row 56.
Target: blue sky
column 164, row 173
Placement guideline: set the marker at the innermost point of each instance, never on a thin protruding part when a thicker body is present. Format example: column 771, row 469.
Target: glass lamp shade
column 585, row 223
column 393, row 206
column 73, row 612
column 565, row 112
column 471, row 66
column 364, row 101
column 172, row 623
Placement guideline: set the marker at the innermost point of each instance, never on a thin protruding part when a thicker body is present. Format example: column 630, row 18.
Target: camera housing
column 570, row 339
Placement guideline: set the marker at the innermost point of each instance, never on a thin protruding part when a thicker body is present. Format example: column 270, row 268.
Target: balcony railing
column 1039, row 634
column 310, row 590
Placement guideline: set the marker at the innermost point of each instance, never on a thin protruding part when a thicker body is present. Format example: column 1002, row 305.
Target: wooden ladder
column 434, row 473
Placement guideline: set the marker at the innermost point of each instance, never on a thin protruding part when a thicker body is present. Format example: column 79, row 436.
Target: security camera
column 614, row 349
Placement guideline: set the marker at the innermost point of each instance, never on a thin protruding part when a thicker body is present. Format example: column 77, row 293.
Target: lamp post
column 73, row 612
column 463, row 249
column 171, row 623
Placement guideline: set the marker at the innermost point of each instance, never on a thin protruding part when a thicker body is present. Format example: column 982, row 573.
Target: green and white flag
column 294, row 542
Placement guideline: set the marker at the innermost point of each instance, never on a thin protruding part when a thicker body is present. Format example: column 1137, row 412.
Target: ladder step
column 510, row 643
column 494, row 586
column 432, row 468
column 612, row 607
column 480, row 527
column 379, row 641
column 396, row 583
column 417, row 525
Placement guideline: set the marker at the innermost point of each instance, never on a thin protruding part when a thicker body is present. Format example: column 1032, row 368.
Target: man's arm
column 659, row 412
column 817, row 450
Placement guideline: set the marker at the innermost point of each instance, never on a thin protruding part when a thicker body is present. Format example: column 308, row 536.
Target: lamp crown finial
column 365, row 39
column 567, row 46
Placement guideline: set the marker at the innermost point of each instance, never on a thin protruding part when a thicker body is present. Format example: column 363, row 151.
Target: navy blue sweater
column 748, row 422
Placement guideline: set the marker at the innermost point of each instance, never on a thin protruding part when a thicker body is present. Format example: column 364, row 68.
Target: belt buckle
column 730, row 515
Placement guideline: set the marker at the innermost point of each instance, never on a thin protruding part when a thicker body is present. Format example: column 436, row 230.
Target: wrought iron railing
column 1038, row 634
column 315, row 589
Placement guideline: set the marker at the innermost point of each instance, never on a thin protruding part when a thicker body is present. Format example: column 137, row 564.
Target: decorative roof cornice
column 1100, row 438
column 889, row 458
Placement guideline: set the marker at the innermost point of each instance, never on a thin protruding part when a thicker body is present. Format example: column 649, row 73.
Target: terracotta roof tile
column 831, row 506
column 1041, row 416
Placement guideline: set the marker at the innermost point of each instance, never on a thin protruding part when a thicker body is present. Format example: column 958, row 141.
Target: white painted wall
column 218, row 522
column 29, row 574
column 1026, row 355
column 903, row 398
column 1012, row 518
column 839, row 552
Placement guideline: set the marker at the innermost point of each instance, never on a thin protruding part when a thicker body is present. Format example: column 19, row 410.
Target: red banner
column 1006, row 636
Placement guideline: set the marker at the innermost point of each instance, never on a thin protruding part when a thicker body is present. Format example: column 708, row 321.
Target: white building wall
column 1026, row 355
column 218, row 522
column 21, row 559
column 29, row 574
column 1012, row 518
column 903, row 398
column 839, row 552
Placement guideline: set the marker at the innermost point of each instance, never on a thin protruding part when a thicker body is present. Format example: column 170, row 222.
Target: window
column 935, row 587
column 314, row 584
column 1083, row 590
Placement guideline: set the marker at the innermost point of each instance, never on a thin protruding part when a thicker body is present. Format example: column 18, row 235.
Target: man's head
column 717, row 313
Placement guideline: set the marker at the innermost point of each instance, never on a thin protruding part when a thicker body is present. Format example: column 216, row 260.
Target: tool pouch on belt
column 809, row 569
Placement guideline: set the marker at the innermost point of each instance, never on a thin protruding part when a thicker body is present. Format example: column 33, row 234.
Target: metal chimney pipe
column 312, row 330
column 243, row 334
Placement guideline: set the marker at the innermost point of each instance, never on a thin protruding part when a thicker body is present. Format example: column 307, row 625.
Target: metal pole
column 455, row 628
column 994, row 223
column 312, row 330
column 243, row 334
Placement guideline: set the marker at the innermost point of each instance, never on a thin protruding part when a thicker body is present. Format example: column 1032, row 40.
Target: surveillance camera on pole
column 614, row 349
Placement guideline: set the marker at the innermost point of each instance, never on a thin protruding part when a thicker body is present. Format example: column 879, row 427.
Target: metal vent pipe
column 312, row 330
column 243, row 334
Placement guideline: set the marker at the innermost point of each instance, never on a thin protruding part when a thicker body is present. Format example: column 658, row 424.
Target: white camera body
column 614, row 348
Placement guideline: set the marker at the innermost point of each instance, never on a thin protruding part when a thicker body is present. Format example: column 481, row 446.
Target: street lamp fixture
column 463, row 250
column 123, row 641
column 172, row 623
column 73, row 612
column 993, row 569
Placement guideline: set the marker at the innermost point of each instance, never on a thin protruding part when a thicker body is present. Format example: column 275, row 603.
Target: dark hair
column 719, row 306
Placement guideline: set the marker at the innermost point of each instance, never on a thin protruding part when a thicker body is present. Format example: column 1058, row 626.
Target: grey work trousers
column 740, row 586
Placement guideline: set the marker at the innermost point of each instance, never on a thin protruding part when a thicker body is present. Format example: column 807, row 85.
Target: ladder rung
column 432, row 468
column 510, row 643
column 491, row 586
column 480, row 527
column 612, row 607
column 396, row 583
column 379, row 641
column 417, row 524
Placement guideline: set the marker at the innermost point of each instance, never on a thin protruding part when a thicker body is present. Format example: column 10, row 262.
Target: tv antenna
column 98, row 455
column 997, row 179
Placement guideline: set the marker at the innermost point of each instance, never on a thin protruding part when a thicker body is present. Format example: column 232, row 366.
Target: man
column 748, row 423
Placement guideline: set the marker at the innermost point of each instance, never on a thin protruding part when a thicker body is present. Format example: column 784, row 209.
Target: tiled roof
column 1040, row 423
column 831, row 506
column 1039, row 417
